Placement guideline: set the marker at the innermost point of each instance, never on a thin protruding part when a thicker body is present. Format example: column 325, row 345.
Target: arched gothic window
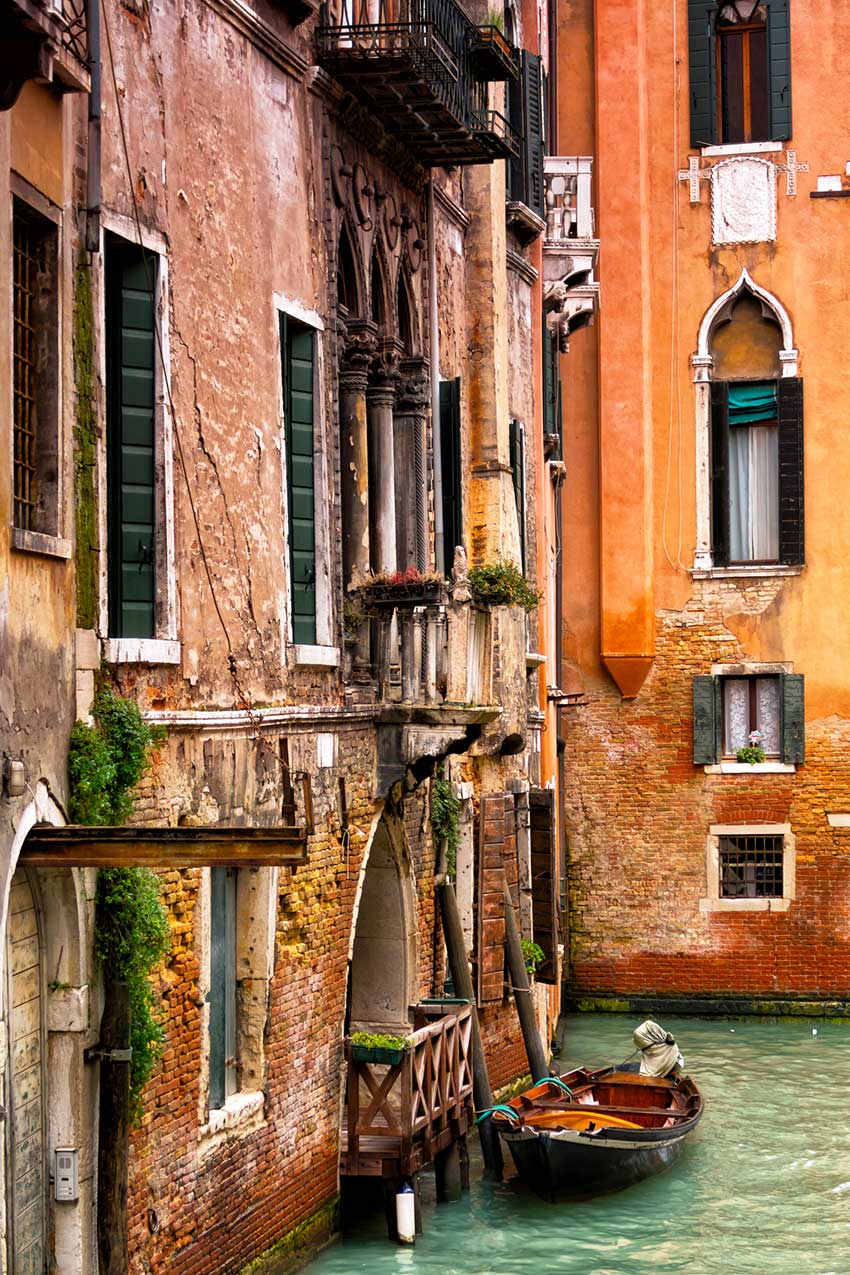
column 742, row 72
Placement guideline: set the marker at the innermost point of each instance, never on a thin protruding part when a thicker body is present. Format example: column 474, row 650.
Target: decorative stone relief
column 743, row 201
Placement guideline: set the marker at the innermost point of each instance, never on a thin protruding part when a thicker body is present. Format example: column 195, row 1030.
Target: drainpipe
column 434, row 350
column 93, row 169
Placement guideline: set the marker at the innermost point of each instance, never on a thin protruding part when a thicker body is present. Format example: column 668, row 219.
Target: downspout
column 92, row 235
column 434, row 351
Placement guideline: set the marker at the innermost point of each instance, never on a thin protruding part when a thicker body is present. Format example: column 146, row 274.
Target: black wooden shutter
column 792, row 542
column 533, row 105
column 707, row 720
column 517, row 446
column 793, row 717
column 702, row 67
column 131, row 437
column 297, row 346
column 719, row 473
column 451, row 467
column 222, row 993
column 544, row 881
column 779, row 68
column 515, row 167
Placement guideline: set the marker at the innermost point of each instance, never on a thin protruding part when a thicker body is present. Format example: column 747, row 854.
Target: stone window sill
column 315, row 656
column 241, row 1114
column 38, row 543
column 744, row 768
column 742, row 148
column 744, row 905
column 141, row 651
column 759, row 572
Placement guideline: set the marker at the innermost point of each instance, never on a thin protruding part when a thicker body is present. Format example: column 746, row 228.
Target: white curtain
column 754, row 493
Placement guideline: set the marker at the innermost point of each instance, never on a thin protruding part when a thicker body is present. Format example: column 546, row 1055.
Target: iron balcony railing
column 413, row 62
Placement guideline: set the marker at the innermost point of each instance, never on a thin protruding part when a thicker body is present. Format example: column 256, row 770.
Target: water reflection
column 763, row 1188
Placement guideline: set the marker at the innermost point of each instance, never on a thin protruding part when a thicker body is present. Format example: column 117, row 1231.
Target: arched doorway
column 26, row 1179
column 382, row 981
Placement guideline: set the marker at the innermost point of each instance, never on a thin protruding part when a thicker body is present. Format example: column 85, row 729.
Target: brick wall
column 638, row 815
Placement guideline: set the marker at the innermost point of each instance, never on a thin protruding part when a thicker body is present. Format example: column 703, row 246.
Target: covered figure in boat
column 659, row 1055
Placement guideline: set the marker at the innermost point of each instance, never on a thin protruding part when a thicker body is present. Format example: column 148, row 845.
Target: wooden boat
column 589, row 1132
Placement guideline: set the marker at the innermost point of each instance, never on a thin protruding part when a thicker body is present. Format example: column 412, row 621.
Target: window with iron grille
column 35, row 364
column 751, row 866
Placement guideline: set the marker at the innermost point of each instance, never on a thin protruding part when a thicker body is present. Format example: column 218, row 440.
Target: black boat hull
column 559, row 1166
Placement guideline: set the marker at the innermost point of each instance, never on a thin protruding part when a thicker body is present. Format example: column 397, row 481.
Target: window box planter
column 386, row 1052
column 492, row 55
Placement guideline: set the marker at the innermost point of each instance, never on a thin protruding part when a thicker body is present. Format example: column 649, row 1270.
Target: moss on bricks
column 85, row 450
column 299, row 1245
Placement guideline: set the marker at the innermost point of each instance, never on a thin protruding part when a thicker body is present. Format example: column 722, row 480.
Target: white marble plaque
column 743, row 201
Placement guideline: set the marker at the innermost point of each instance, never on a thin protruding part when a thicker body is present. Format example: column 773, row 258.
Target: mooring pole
column 491, row 1147
column 114, row 1132
column 522, row 994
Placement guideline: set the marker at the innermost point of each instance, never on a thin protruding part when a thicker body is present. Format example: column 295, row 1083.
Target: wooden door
column 26, row 1171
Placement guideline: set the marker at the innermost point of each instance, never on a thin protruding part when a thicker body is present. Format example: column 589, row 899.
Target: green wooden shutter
column 719, row 473
column 451, row 467
column 544, row 881
column 222, row 993
column 792, row 541
column 793, row 717
column 552, row 417
column 515, row 167
column 131, row 436
column 298, row 348
column 707, row 720
column 517, row 449
column 533, row 137
column 702, row 68
column 779, row 68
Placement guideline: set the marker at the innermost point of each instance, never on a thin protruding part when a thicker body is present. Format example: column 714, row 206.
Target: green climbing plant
column 106, row 759
column 533, row 955
column 503, row 584
column 131, row 936
column 445, row 818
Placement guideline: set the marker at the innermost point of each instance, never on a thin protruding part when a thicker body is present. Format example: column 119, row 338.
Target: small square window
column 751, row 704
column 750, row 867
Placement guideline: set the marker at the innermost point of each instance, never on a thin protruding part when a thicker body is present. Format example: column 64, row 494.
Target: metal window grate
column 26, row 267
column 751, row 867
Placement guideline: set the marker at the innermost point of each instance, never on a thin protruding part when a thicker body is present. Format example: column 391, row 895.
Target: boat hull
column 565, row 1165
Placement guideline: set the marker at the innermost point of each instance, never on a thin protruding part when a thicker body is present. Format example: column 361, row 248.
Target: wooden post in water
column 522, row 994
column 491, row 1147
column 114, row 1131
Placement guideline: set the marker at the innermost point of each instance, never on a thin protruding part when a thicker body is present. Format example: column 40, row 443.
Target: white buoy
column 814, row 1031
column 405, row 1214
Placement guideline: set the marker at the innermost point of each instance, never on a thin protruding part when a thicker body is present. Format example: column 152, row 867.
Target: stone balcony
column 570, row 248
column 43, row 40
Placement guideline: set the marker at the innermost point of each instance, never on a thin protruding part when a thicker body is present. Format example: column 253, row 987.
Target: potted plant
column 410, row 585
column 533, row 955
column 492, row 53
column 377, row 1047
column 752, row 753
column 503, row 584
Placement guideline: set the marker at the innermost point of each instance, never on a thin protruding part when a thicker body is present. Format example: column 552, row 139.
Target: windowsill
column 744, row 905
column 744, row 768
column 759, row 571
column 742, row 148
column 315, row 656
column 37, row 542
column 242, row 1113
column 141, row 651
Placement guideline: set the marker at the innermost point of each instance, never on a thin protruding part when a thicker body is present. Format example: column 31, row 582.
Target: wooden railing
column 435, row 653
column 416, row 1108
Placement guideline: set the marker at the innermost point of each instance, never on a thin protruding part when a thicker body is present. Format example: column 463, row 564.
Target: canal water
column 762, row 1189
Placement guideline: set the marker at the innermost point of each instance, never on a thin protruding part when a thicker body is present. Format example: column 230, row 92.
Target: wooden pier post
column 447, row 1171
column 491, row 1147
column 535, row 1052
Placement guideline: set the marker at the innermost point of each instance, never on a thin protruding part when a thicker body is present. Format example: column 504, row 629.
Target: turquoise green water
column 762, row 1188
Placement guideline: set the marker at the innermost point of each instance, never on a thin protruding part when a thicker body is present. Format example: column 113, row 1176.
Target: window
column 517, row 447
column 728, row 706
column 222, row 993
column 524, row 174
column 757, row 472
column 750, row 868
column 298, row 350
column 131, row 374
column 450, row 457
column 552, row 413
column 743, row 97
column 35, row 373
column 740, row 71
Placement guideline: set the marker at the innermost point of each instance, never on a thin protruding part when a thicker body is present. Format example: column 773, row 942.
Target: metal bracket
column 98, row 1054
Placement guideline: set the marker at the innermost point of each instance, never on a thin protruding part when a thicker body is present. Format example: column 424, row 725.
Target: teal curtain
column 751, row 401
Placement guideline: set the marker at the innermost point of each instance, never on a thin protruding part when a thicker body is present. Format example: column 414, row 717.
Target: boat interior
column 616, row 1100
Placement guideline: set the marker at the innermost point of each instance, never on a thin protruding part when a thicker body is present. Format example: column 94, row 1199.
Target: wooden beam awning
column 80, row 846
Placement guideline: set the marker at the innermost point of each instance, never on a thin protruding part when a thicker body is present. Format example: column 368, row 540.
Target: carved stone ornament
column 743, row 201
column 340, row 176
column 461, row 591
column 360, row 345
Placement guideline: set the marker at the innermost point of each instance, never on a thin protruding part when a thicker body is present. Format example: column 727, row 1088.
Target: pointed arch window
column 742, row 72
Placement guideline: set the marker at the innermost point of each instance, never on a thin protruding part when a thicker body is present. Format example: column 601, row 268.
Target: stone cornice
column 261, row 35
column 520, row 266
column 451, row 208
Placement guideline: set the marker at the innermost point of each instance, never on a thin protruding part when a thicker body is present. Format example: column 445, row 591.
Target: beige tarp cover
column 659, row 1053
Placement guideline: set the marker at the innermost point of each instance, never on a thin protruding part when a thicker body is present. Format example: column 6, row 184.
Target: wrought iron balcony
column 415, row 64
column 45, row 40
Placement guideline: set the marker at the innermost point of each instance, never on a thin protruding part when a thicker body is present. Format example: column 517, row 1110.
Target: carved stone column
column 380, row 399
column 412, row 402
column 356, row 359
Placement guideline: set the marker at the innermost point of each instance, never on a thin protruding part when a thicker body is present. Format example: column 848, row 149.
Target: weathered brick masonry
column 639, row 811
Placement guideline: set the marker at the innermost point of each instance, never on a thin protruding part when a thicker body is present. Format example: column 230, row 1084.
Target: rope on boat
column 557, row 1082
column 502, row 1108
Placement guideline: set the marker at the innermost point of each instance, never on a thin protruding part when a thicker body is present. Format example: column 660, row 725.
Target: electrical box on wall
column 65, row 1185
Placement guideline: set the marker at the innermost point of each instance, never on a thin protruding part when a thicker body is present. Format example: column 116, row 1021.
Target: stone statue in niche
column 743, row 201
